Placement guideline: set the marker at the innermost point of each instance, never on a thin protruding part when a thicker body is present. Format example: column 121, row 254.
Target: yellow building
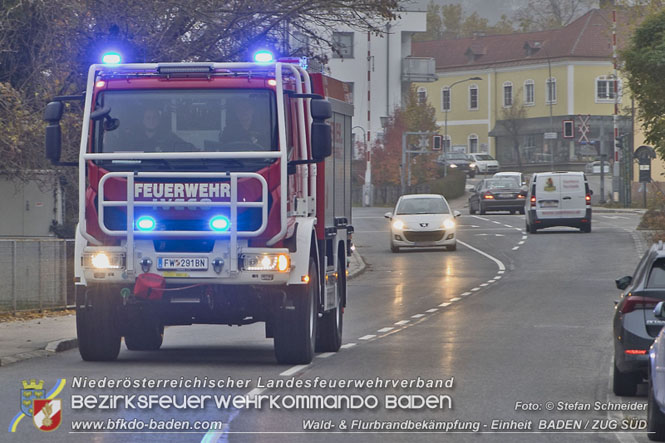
column 532, row 100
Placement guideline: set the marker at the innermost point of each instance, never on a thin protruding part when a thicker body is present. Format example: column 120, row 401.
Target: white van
column 558, row 199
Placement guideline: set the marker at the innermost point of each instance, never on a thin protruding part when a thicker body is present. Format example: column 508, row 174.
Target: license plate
column 549, row 204
column 506, row 195
column 182, row 263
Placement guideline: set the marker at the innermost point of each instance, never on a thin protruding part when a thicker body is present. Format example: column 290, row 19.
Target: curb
column 61, row 345
column 359, row 265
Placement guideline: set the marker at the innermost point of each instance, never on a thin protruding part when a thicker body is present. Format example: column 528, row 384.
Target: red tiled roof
column 588, row 37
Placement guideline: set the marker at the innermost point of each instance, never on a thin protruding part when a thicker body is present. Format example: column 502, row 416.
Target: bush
column 451, row 186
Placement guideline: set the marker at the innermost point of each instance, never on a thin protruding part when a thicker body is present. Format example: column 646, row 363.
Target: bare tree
column 550, row 14
column 513, row 119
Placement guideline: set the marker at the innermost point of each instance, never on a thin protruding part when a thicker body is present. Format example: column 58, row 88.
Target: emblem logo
column 47, row 416
column 424, row 225
column 32, row 390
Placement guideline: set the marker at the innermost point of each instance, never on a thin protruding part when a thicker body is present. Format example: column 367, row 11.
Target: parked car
column 497, row 194
column 422, row 220
column 594, row 167
column 485, row 163
column 656, row 376
column 558, row 199
column 635, row 326
column 458, row 160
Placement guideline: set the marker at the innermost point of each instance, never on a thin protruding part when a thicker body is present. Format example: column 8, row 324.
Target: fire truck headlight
column 103, row 260
column 145, row 223
column 266, row 262
column 219, row 223
column 111, row 58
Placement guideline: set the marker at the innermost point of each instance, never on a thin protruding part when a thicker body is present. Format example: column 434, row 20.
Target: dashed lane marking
column 443, row 305
column 476, row 289
column 455, row 299
column 417, row 315
column 431, row 310
column 402, row 322
column 367, row 337
column 325, row 355
column 466, row 293
column 295, row 369
column 382, row 330
column 348, row 345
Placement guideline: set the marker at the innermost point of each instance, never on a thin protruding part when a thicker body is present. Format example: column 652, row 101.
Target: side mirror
column 457, row 213
column 623, row 282
column 388, row 215
column 321, row 131
column 53, row 141
column 658, row 311
column 590, row 191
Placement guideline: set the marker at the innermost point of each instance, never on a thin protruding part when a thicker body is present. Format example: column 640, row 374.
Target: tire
column 586, row 228
column 330, row 326
column 295, row 329
column 481, row 209
column 452, row 247
column 522, row 211
column 148, row 336
column 512, row 212
column 97, row 323
column 393, row 248
column 532, row 229
column 624, row 384
column 655, row 418
column 471, row 210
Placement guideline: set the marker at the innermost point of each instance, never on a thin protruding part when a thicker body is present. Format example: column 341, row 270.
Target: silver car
column 422, row 220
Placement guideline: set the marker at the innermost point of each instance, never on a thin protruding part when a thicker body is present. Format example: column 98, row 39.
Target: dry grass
column 31, row 315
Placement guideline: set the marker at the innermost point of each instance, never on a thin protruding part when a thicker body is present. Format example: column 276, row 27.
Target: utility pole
column 616, row 172
column 367, row 187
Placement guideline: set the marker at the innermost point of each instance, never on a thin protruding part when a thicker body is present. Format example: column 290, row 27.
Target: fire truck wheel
column 330, row 325
column 96, row 324
column 147, row 336
column 295, row 329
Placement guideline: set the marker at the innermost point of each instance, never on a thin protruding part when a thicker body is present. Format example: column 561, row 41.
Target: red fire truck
column 213, row 193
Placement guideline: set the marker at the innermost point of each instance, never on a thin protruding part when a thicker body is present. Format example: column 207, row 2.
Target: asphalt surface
column 507, row 318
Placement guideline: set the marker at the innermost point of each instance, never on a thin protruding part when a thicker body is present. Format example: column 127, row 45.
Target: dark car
column 656, row 396
column 635, row 325
column 458, row 160
column 497, row 194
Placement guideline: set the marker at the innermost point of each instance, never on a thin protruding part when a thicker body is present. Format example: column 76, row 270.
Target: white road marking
column 443, row 305
column 402, row 322
column 348, row 345
column 516, row 248
column 293, row 370
column 455, row 299
column 475, row 289
column 524, row 237
column 520, row 242
column 325, row 355
column 382, row 330
column 466, row 293
column 468, row 226
column 509, row 226
column 501, row 271
column 481, row 218
column 498, row 262
column 367, row 337
column 482, row 285
column 496, row 222
column 491, row 281
column 498, row 277
column 417, row 315
column 432, row 310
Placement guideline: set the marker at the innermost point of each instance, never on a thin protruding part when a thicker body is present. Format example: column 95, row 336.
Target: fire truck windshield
column 219, row 120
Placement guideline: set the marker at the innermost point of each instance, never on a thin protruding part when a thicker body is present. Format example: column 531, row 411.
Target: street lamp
column 367, row 187
column 450, row 105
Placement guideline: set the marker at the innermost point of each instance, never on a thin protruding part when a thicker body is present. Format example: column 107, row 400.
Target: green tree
column 539, row 15
column 513, row 119
column 434, row 24
column 645, row 69
column 453, row 16
column 473, row 24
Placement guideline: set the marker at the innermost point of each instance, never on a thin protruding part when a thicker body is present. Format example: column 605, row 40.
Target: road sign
column 584, row 128
column 550, row 136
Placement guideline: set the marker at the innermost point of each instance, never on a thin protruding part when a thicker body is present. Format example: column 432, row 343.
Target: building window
column 349, row 94
column 422, row 96
column 343, row 43
column 507, row 94
column 605, row 89
column 529, row 92
column 473, row 97
column 473, row 143
column 445, row 99
column 550, row 86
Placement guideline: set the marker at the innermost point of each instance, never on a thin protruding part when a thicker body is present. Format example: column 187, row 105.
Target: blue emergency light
column 111, row 58
column 145, row 223
column 263, row 56
column 219, row 223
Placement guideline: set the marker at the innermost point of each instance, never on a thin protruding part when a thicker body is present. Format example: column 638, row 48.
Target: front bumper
column 422, row 239
column 503, row 204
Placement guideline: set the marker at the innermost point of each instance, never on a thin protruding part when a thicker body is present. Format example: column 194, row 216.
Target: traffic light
column 618, row 143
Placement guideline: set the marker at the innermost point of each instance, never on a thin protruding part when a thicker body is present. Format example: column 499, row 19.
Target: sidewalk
column 24, row 339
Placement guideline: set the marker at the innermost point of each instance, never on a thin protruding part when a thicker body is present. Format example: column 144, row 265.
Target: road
column 508, row 319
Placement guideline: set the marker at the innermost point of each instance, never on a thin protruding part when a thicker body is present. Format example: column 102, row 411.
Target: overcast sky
column 490, row 9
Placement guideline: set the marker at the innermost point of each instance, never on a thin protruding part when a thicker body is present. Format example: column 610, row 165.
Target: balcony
column 418, row 69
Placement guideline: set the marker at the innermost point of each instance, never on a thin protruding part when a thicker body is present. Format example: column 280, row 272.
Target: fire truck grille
column 417, row 236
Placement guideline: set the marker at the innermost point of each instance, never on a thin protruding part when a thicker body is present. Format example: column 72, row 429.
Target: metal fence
column 36, row 274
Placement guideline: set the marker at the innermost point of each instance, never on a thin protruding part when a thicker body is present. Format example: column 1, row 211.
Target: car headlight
column 104, row 260
column 453, row 165
column 473, row 165
column 266, row 262
column 398, row 224
column 449, row 223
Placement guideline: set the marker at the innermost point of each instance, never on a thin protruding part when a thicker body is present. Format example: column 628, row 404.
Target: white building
column 377, row 69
